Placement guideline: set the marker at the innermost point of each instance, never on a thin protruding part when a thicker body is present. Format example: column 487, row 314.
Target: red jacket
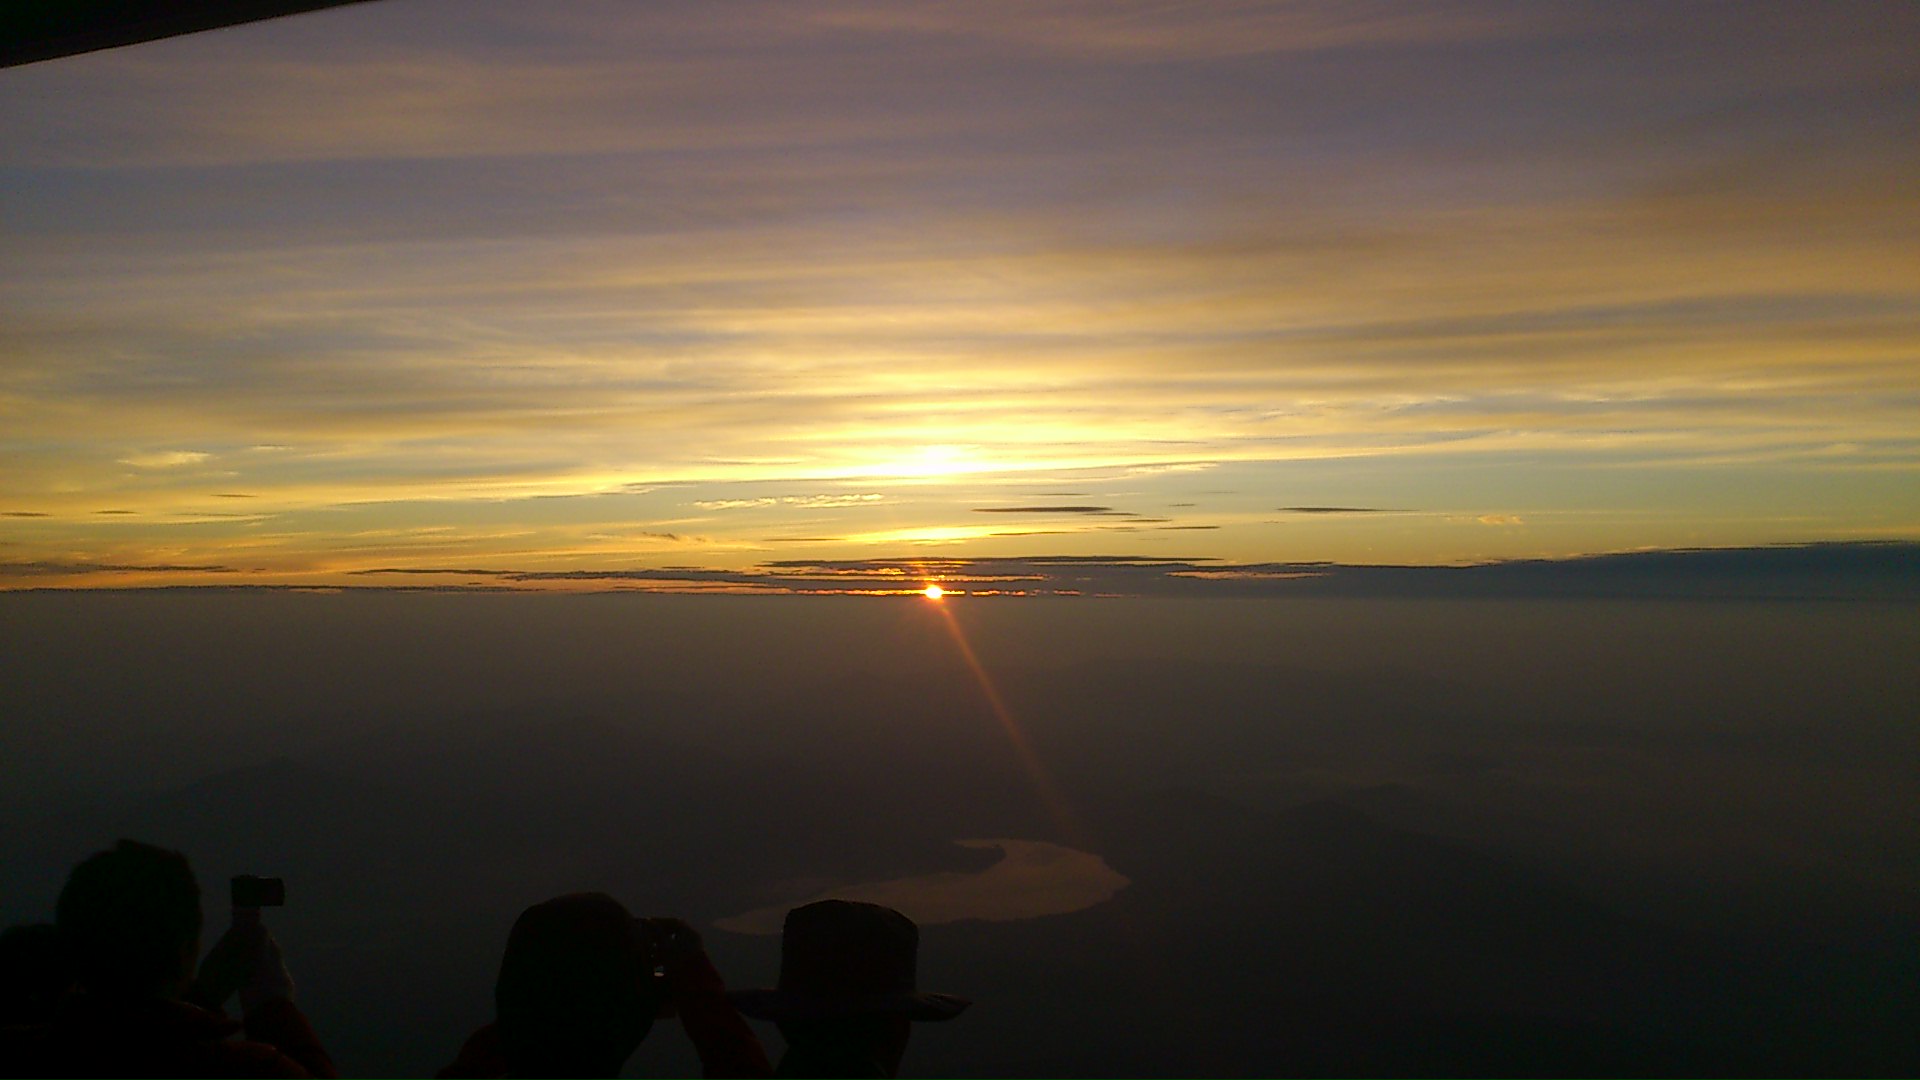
column 95, row 1037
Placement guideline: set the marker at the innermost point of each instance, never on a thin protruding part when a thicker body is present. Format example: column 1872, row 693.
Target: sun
column 933, row 592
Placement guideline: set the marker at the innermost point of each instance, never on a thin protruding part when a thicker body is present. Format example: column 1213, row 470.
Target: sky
column 678, row 293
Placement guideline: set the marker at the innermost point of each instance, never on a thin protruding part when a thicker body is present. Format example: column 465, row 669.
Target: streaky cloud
column 1097, row 510
column 58, row 568
column 1854, row 571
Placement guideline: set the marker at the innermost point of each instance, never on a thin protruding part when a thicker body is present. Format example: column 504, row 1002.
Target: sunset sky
column 430, row 286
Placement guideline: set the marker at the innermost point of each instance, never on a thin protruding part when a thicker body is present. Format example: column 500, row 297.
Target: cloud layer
column 1848, row 571
column 1612, row 277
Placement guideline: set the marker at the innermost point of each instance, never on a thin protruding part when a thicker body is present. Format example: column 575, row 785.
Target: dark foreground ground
column 1363, row 838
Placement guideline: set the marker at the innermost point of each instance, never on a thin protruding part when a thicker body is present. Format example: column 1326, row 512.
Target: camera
column 259, row 892
column 667, row 939
column 661, row 941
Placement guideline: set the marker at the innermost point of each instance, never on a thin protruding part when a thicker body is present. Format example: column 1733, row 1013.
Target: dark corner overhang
column 39, row 30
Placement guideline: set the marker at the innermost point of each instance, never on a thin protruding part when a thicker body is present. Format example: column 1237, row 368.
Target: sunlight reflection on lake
column 1033, row 878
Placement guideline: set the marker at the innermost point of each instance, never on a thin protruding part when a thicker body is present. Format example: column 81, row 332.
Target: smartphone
column 259, row 892
column 651, row 937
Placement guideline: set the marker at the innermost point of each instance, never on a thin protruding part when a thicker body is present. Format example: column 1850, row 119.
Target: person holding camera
column 129, row 922
column 580, row 985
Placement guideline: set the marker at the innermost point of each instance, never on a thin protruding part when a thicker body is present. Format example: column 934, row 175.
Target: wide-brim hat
column 845, row 958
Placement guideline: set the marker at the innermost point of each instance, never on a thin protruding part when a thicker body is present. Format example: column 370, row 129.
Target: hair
column 129, row 918
column 575, row 994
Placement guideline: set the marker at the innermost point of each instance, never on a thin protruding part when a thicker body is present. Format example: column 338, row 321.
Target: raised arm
column 726, row 1044
column 247, row 961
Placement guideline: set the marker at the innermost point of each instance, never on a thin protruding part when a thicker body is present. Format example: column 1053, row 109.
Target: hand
column 229, row 962
column 267, row 979
column 674, row 941
column 682, row 957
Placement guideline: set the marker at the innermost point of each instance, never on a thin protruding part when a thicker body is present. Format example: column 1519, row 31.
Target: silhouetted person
column 35, row 978
column 847, row 997
column 578, row 992
column 129, row 922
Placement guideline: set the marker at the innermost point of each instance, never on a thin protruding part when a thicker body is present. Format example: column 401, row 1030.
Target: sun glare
column 932, row 462
column 933, row 592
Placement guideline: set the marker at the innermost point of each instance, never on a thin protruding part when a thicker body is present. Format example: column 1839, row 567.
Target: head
column 129, row 918
column 847, row 997
column 576, row 991
column 34, row 974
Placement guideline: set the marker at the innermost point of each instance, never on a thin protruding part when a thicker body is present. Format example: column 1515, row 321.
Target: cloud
column 1331, row 510
column 809, row 244
column 1866, row 570
column 1131, row 31
column 818, row 501
column 58, row 568
column 1099, row 510
column 1499, row 519
column 430, row 571
column 165, row 459
column 23, row 513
